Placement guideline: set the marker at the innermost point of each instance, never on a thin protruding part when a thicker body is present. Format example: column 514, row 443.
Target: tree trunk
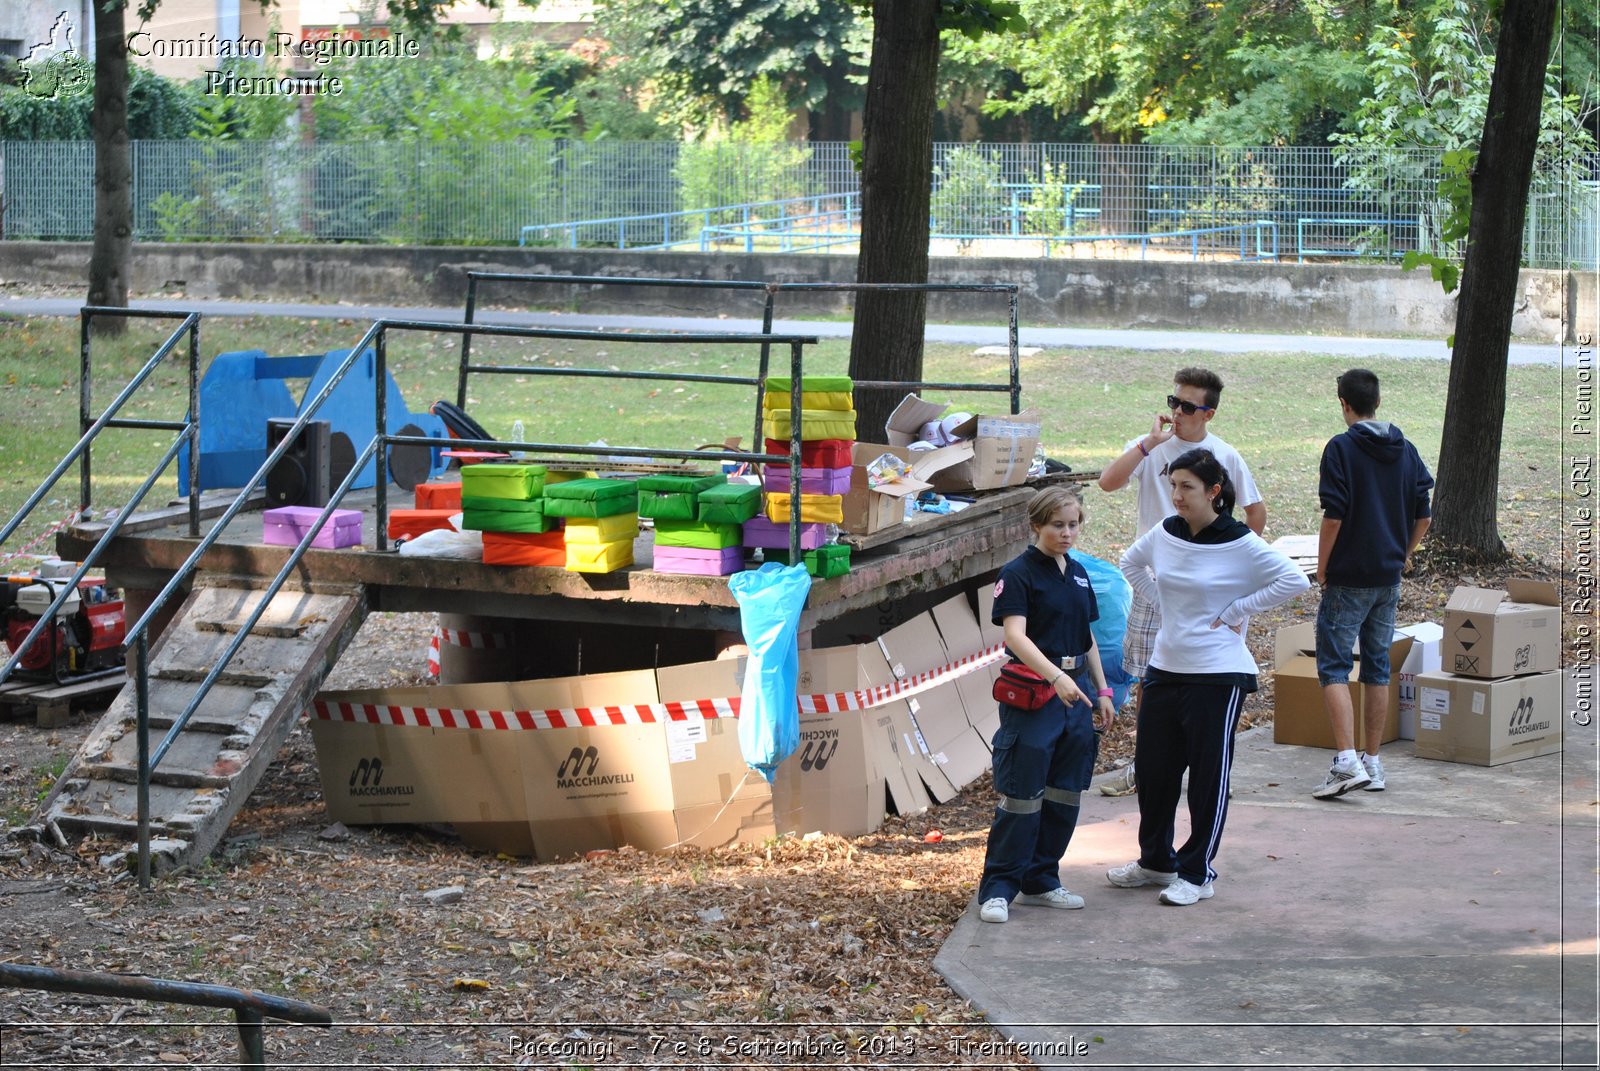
column 113, row 179
column 896, row 184
column 1467, row 494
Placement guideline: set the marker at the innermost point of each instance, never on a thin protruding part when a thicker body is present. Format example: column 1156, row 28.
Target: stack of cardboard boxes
column 1482, row 688
column 517, row 769
column 1498, row 697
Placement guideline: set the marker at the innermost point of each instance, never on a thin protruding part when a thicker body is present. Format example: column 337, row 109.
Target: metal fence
column 997, row 199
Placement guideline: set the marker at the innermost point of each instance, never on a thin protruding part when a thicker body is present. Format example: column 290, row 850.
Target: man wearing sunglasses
column 1184, row 426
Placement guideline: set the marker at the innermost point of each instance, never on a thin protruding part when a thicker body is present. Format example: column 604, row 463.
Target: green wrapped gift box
column 730, row 503
column 822, row 563
column 505, row 515
column 519, row 482
column 591, row 498
column 780, row 384
column 673, row 497
column 697, row 534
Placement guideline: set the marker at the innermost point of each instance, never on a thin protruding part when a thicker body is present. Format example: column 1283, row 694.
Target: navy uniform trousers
column 1043, row 761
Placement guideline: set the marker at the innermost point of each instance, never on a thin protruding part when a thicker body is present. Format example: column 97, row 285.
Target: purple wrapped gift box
column 722, row 562
column 812, row 481
column 287, row 525
column 760, row 532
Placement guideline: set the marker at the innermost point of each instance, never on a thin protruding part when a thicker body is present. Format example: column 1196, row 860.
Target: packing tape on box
column 647, row 713
column 481, row 641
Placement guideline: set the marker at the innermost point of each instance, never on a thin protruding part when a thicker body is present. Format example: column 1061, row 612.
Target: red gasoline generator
column 85, row 639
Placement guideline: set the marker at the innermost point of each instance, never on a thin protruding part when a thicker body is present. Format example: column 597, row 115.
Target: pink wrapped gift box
column 760, row 532
column 287, row 525
column 812, row 481
column 723, row 562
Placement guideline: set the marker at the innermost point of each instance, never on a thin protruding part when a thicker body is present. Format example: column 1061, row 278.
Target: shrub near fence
column 467, row 193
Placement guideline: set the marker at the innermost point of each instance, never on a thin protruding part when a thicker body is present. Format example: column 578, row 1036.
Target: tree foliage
column 706, row 58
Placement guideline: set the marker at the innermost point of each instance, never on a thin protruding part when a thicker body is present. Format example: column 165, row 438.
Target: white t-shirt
column 1155, row 492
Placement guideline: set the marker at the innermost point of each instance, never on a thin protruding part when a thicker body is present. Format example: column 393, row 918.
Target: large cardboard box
column 716, row 798
column 917, row 756
column 1298, row 716
column 939, row 713
column 870, row 509
column 1488, row 722
column 1002, row 446
column 832, row 783
column 1500, row 633
column 1426, row 637
column 963, row 637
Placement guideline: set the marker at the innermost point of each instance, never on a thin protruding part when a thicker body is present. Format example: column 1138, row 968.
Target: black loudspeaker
column 302, row 475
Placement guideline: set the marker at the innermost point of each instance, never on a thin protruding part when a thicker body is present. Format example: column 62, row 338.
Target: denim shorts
column 1346, row 613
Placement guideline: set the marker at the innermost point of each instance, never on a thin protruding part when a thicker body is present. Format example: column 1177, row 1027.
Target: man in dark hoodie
column 1375, row 509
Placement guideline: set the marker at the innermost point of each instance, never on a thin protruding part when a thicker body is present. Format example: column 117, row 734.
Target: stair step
column 226, row 706
column 290, row 613
column 106, row 806
column 194, row 759
column 195, row 674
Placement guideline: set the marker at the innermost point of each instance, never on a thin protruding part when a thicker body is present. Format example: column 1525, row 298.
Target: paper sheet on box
column 683, row 737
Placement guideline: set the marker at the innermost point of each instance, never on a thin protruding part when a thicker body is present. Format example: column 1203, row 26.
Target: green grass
column 1277, row 410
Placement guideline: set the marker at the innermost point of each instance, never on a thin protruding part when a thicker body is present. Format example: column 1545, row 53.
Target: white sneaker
column 995, row 909
column 1125, row 783
column 1183, row 893
column 1054, row 898
column 1342, row 779
column 1374, row 767
column 1132, row 875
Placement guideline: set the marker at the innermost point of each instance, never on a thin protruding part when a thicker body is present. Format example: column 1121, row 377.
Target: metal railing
column 769, row 292
column 250, row 1008
column 487, row 193
column 90, row 427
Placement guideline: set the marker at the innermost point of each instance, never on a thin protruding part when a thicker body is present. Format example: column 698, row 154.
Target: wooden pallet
column 51, row 704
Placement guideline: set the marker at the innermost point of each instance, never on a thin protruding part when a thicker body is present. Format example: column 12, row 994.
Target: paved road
column 973, row 334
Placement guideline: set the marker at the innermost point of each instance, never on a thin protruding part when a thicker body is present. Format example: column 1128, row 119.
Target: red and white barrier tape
column 27, row 549
column 480, row 641
column 646, row 713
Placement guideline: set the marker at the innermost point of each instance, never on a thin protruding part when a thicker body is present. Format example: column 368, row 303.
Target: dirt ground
column 813, row 948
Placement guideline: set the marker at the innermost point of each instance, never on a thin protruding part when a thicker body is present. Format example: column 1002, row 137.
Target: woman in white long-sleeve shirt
column 1208, row 574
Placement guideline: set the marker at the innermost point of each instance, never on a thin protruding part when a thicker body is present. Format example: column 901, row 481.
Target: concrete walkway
column 1449, row 922
column 967, row 334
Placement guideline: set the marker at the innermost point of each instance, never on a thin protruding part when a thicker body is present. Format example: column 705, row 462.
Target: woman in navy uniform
column 1043, row 759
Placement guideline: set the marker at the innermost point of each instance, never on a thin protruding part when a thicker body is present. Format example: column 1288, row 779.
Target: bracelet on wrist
column 1058, row 676
column 1105, row 693
column 1142, row 450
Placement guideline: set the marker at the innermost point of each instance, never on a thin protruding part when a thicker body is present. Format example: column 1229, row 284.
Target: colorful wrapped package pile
column 506, row 503
column 602, row 519
column 686, row 542
column 827, row 432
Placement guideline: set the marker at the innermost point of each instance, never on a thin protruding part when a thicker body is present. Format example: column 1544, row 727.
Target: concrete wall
column 1336, row 299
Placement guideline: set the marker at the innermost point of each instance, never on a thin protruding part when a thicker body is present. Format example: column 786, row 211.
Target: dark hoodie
column 1373, row 482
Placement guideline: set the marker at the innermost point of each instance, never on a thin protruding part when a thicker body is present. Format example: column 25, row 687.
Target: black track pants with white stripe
column 1184, row 726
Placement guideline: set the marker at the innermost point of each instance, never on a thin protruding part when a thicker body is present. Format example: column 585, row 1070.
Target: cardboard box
column 871, row 509
column 916, row 753
column 939, row 714
column 832, row 782
column 716, row 798
column 1499, row 633
column 963, row 637
column 1298, row 716
column 1002, row 446
column 1488, row 722
column 1426, row 637
column 545, row 792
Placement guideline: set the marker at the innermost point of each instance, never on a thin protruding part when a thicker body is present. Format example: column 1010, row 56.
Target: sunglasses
column 1189, row 408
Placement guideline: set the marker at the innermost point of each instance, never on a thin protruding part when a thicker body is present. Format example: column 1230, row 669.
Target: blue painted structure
column 242, row 390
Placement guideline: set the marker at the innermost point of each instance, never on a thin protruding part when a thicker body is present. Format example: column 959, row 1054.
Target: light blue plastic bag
column 770, row 600
column 1114, row 598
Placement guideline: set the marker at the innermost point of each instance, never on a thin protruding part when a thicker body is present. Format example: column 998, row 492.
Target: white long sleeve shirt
column 1195, row 584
